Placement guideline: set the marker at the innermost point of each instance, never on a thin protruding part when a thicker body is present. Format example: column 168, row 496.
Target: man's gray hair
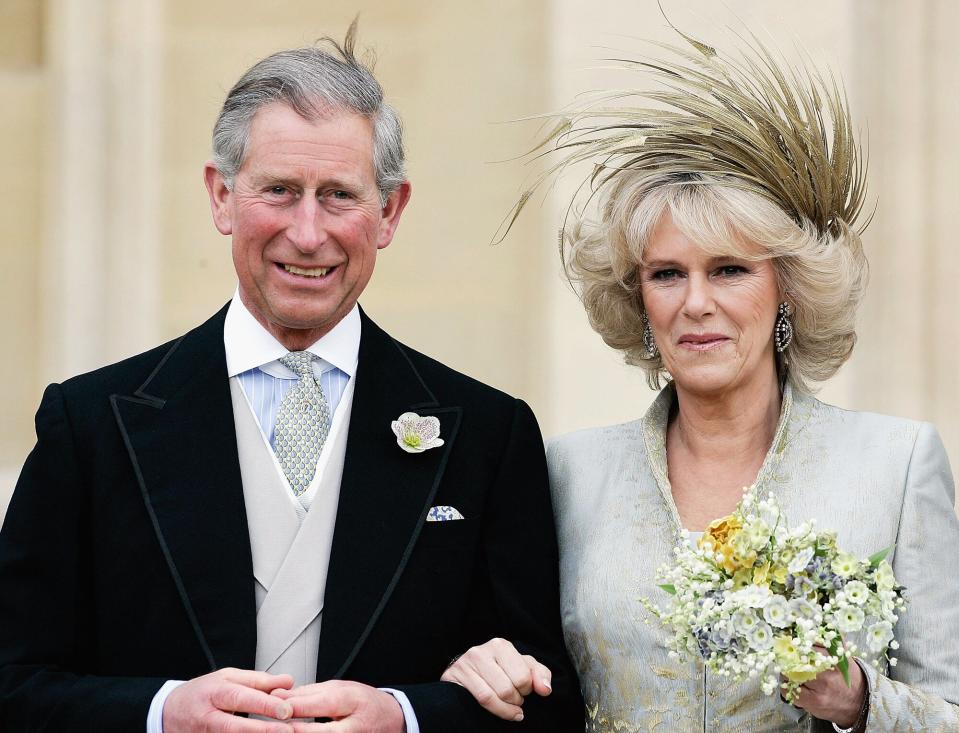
column 313, row 81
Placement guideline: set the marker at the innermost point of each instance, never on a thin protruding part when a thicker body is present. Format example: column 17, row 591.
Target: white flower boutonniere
column 415, row 434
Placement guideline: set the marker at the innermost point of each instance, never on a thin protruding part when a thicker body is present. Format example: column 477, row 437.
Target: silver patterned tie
column 302, row 423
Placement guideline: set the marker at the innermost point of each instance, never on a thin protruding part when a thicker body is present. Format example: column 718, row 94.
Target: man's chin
column 297, row 327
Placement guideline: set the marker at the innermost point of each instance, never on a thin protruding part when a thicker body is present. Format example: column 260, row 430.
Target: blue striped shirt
column 266, row 391
column 253, row 354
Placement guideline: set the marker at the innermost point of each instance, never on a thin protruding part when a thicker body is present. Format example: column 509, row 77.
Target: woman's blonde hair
column 751, row 156
column 822, row 275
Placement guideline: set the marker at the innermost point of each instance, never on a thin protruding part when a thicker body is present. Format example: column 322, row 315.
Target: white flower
column 757, row 534
column 805, row 588
column 769, row 513
column 856, row 592
column 885, row 579
column 849, row 619
column 879, row 635
column 800, row 608
column 845, row 565
column 801, row 560
column 754, row 596
column 415, row 434
column 761, row 637
column 776, row 612
column 744, row 621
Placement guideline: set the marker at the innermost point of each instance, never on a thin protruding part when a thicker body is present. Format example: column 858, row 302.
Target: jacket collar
column 794, row 414
column 179, row 432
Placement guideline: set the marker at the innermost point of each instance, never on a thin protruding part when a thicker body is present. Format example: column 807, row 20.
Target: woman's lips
column 702, row 342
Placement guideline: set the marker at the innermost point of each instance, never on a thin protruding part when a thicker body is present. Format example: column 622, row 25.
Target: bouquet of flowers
column 755, row 598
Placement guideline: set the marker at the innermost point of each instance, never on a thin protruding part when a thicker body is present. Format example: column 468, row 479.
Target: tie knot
column 300, row 362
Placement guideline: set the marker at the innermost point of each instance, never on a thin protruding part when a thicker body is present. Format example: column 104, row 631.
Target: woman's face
column 712, row 317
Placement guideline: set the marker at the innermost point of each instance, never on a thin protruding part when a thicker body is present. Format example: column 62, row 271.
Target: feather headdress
column 784, row 133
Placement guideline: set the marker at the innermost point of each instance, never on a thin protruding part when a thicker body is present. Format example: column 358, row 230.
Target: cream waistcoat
column 290, row 545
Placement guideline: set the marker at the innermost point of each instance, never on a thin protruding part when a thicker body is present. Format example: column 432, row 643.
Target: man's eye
column 278, row 190
column 341, row 195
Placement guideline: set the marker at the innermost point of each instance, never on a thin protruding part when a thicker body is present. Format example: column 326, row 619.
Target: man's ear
column 220, row 198
column 392, row 211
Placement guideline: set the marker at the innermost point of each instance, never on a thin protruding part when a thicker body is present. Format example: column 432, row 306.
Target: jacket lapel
column 178, row 429
column 384, row 496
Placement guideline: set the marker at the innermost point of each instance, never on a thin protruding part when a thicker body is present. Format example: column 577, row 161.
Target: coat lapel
column 384, row 496
column 178, row 429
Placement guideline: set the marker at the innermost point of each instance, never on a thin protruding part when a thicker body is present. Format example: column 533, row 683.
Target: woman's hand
column 499, row 677
column 828, row 697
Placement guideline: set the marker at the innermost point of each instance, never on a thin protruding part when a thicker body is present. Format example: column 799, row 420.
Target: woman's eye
column 667, row 274
column 731, row 270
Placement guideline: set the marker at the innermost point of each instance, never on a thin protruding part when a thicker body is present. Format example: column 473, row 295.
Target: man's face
column 306, row 219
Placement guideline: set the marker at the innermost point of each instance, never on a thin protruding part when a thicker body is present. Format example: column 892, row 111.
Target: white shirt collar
column 249, row 345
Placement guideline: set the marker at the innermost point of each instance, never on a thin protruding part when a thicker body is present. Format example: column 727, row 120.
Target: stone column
column 81, row 238
column 100, row 208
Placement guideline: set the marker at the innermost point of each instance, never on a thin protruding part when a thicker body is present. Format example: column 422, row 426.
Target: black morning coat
column 125, row 557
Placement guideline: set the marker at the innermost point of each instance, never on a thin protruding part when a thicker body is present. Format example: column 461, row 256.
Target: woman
column 725, row 257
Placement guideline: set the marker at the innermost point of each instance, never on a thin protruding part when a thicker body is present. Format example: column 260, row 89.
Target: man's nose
column 307, row 231
column 700, row 300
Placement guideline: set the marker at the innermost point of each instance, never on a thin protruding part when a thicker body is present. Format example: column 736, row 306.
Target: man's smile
column 312, row 272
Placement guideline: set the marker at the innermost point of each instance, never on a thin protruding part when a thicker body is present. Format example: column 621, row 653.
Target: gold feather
column 783, row 132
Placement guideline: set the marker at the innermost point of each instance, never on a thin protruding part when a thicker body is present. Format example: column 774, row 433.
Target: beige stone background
column 107, row 245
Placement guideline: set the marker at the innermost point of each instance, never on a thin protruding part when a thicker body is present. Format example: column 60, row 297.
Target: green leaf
column 836, row 650
column 874, row 560
column 671, row 589
column 844, row 668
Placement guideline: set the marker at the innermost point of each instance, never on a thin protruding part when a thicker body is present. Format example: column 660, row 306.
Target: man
column 284, row 498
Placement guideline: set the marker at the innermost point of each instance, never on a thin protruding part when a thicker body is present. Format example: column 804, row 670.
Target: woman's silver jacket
column 878, row 481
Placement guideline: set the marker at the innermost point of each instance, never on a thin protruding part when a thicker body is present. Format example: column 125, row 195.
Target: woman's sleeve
column 922, row 691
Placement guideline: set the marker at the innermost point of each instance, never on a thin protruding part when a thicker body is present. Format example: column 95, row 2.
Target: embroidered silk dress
column 878, row 481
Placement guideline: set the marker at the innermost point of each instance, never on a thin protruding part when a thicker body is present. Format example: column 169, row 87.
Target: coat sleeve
column 521, row 569
column 45, row 606
column 922, row 691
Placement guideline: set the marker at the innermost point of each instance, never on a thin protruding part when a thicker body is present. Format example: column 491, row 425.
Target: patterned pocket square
column 443, row 514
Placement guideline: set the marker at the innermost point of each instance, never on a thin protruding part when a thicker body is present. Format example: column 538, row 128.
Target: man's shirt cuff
column 408, row 715
column 155, row 716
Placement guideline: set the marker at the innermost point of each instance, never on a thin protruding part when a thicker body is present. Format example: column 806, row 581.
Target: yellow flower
column 801, row 673
column 779, row 574
column 796, row 666
column 720, row 535
column 845, row 564
column 726, row 559
column 761, row 574
column 744, row 561
column 827, row 540
column 786, row 650
column 741, row 578
column 721, row 531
